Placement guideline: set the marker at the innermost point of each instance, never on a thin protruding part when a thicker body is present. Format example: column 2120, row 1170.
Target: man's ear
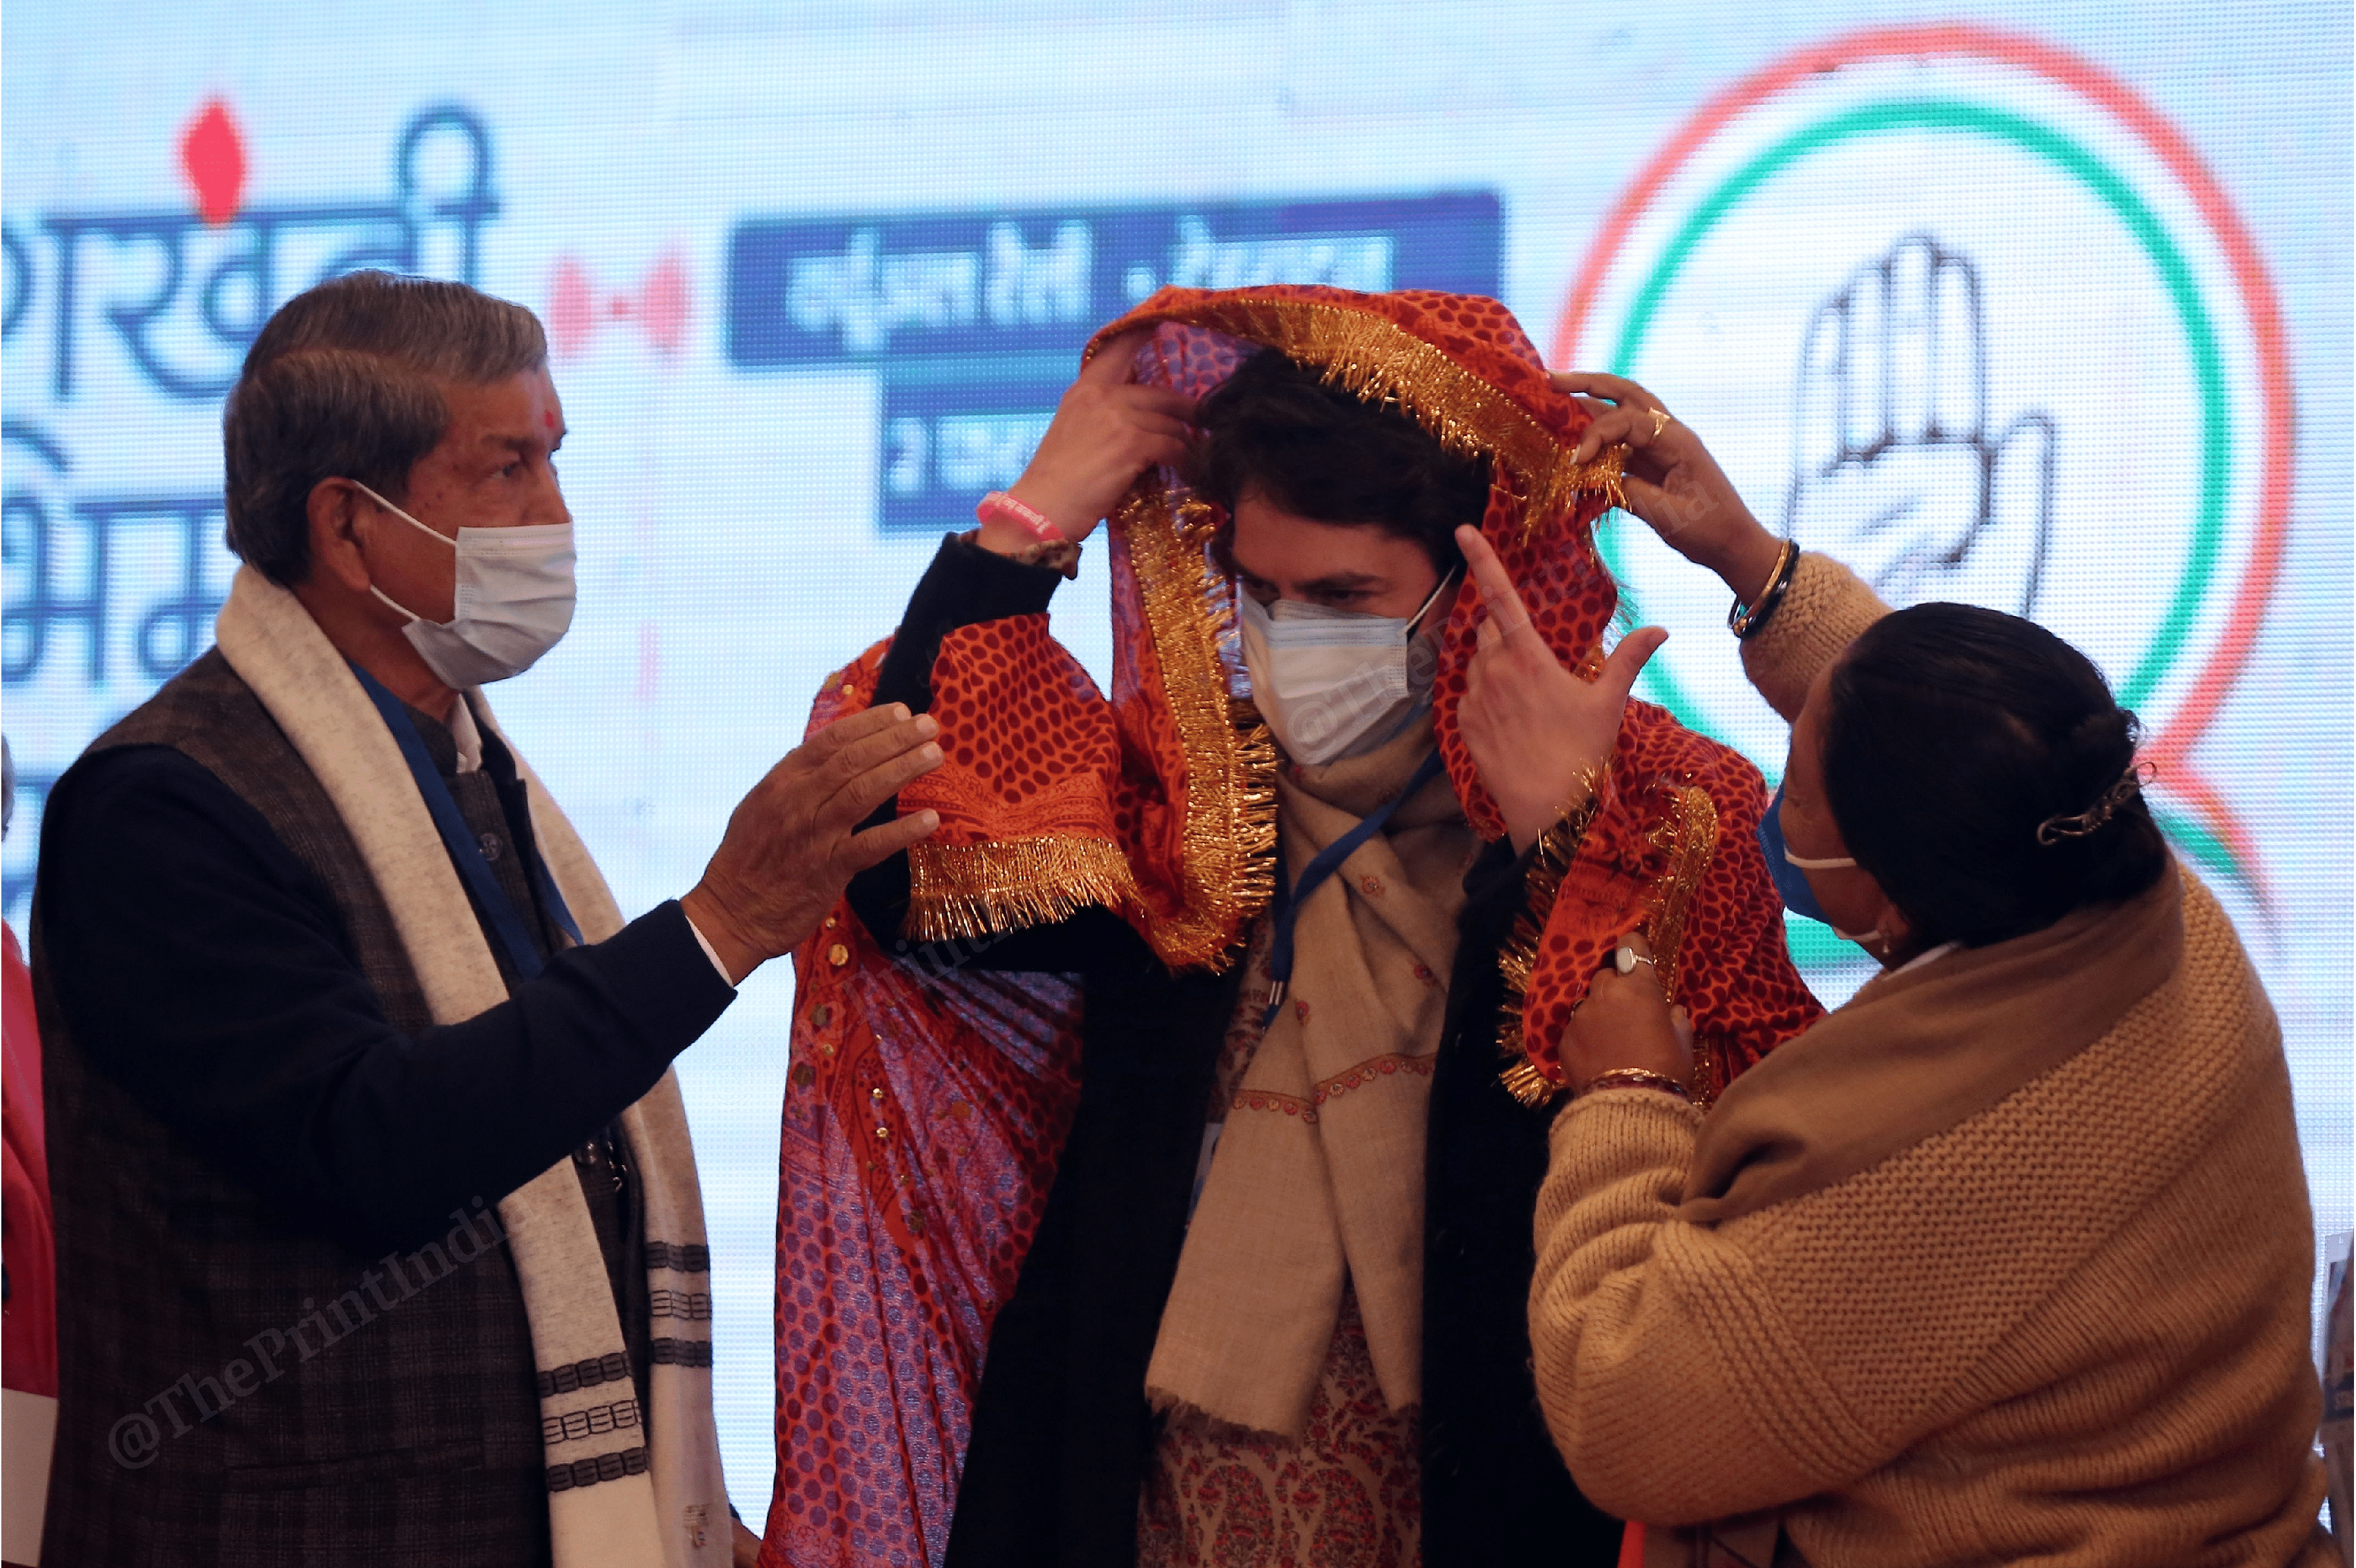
column 336, row 509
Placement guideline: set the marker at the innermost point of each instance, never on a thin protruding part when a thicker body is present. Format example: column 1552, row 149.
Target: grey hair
column 343, row 383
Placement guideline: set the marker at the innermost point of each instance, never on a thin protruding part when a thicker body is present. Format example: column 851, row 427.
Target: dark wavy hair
column 1952, row 732
column 1276, row 428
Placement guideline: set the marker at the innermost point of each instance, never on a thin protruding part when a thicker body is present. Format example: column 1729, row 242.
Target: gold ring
column 1662, row 420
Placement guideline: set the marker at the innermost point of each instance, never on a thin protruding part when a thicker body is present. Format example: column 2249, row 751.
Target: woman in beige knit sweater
column 2007, row 1259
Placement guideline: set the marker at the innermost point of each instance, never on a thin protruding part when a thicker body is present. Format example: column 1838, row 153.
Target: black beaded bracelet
column 1747, row 621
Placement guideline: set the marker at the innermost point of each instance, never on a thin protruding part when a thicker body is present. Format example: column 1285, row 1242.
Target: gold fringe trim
column 957, row 892
column 1227, row 870
column 1526, row 1084
column 1688, row 836
column 1557, row 848
column 1377, row 360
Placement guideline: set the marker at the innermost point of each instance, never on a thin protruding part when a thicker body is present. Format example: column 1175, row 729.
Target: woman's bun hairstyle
column 1978, row 767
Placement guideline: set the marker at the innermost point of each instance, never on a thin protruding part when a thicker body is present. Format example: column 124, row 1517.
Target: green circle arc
column 1951, row 114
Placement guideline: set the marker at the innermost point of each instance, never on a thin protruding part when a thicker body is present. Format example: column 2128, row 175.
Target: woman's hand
column 1672, row 482
column 1626, row 1021
column 1535, row 730
column 1107, row 431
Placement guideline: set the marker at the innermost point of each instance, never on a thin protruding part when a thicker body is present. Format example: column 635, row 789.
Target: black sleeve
column 966, row 586
column 206, row 969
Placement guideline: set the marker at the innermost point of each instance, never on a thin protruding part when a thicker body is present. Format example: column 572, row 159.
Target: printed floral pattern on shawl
column 924, row 1108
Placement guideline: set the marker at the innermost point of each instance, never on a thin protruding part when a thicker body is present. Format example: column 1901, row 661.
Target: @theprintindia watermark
column 135, row 1440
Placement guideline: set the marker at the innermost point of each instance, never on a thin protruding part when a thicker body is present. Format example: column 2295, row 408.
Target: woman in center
column 1162, row 1146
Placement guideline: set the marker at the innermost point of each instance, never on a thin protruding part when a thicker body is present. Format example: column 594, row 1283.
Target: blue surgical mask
column 1789, row 870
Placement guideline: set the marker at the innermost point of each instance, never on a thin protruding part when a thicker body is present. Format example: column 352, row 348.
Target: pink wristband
column 1030, row 519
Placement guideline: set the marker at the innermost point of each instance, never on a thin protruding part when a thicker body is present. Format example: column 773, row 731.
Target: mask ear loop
column 1414, row 622
column 387, row 599
column 395, row 605
column 404, row 517
column 1836, row 863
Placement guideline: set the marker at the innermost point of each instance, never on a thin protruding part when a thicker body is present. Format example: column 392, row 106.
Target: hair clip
column 2054, row 829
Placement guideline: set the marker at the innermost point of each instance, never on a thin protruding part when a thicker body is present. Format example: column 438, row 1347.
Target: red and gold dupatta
column 926, row 1103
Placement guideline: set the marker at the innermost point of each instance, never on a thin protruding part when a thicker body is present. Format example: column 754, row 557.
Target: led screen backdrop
column 2044, row 307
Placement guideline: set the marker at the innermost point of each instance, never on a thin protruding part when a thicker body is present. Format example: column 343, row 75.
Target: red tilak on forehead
column 548, row 418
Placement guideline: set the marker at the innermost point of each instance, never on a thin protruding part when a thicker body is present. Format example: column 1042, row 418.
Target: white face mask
column 1336, row 684
column 514, row 600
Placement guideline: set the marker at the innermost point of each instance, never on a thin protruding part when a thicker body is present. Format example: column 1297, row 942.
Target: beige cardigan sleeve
column 1634, row 1315
column 1823, row 611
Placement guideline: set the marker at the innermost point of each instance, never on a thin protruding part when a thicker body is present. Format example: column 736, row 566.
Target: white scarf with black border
column 627, row 1487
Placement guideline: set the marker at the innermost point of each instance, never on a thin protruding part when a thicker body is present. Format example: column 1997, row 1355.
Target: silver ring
column 1625, row 960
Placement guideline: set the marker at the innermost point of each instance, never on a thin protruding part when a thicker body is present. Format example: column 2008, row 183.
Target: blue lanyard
column 465, row 851
column 1288, row 899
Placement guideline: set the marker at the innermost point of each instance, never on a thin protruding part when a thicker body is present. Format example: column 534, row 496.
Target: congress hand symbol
column 1895, row 469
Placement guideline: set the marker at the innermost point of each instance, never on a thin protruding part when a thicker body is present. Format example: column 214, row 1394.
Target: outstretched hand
column 1107, row 429
column 1536, row 729
column 1671, row 481
column 793, row 842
